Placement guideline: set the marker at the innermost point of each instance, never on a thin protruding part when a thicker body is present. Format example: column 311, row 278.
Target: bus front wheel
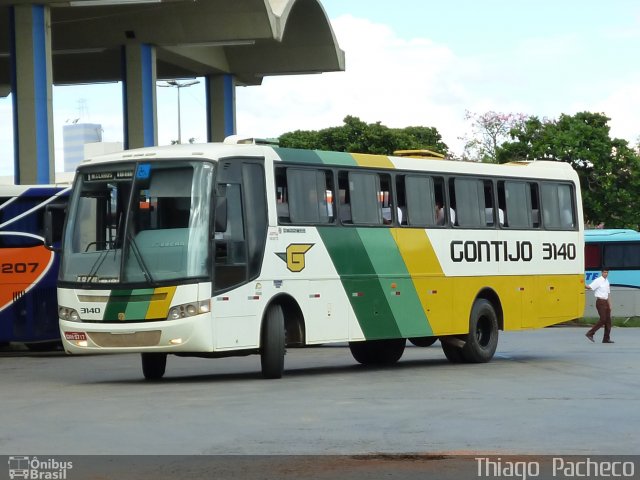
column 272, row 348
column 378, row 352
column 482, row 339
column 154, row 365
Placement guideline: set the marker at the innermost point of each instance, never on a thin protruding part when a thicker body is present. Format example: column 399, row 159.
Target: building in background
column 75, row 136
column 101, row 148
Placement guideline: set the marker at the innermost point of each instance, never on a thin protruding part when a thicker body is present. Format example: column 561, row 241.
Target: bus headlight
column 65, row 313
column 189, row 310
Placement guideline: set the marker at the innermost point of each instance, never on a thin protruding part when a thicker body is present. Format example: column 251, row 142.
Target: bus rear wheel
column 378, row 352
column 423, row 341
column 272, row 348
column 452, row 352
column 482, row 339
column 154, row 365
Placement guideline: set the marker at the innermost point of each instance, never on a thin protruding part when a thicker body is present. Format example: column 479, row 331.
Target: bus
column 28, row 270
column 239, row 248
column 619, row 251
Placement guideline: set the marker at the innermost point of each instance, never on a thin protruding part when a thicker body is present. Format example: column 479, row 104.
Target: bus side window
column 489, row 214
column 535, row 205
column 344, row 207
column 282, row 197
column 310, row 195
column 367, row 197
column 344, row 197
column 516, row 199
column 557, row 206
column 401, row 200
column 473, row 197
column 421, row 201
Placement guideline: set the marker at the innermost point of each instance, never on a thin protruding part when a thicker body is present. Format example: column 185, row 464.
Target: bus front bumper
column 191, row 334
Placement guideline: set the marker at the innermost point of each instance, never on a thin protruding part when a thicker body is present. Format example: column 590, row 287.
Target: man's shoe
column 607, row 341
column 589, row 337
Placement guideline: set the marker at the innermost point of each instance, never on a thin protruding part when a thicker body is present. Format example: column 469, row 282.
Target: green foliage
column 360, row 137
column 609, row 169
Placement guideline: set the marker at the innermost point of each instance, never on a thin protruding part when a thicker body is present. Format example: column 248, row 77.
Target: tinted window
column 421, row 203
column 592, row 256
column 474, row 202
column 557, row 206
column 516, row 204
column 310, row 196
column 366, row 207
column 622, row 255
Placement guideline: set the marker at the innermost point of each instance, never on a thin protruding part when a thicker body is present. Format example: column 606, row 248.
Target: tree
column 609, row 169
column 489, row 130
column 357, row 136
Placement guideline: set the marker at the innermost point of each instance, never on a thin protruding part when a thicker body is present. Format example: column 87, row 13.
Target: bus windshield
column 144, row 228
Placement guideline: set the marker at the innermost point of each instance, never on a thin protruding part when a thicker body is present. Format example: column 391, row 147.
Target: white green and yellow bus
column 240, row 248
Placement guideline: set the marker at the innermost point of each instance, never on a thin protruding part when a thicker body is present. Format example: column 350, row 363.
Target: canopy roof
column 250, row 39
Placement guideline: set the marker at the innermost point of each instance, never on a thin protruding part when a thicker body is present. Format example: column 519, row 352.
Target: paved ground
column 546, row 392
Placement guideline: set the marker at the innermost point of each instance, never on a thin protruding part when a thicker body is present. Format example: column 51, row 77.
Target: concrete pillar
column 139, row 95
column 32, row 93
column 221, row 106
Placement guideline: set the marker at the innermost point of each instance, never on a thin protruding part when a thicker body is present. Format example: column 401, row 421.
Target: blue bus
column 28, row 270
column 619, row 251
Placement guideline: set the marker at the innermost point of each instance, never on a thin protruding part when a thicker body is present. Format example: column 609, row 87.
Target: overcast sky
column 416, row 62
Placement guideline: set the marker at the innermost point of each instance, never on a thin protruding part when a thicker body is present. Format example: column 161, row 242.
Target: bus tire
column 452, row 352
column 423, row 341
column 153, row 365
column 482, row 339
column 272, row 347
column 378, row 352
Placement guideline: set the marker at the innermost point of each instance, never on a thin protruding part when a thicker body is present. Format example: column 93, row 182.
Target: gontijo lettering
column 506, row 251
column 491, row 251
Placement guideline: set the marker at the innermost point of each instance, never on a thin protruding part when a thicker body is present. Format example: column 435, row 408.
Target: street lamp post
column 178, row 85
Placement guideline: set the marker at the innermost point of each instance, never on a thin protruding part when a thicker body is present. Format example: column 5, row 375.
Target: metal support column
column 221, row 107
column 139, row 96
column 32, row 93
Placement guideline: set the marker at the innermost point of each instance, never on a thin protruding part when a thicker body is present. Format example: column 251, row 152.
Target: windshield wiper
column 102, row 256
column 136, row 253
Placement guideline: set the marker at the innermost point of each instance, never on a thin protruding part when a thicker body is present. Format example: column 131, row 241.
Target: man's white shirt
column 601, row 288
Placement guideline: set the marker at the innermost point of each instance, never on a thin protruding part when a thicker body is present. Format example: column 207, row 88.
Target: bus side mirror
column 53, row 222
column 221, row 214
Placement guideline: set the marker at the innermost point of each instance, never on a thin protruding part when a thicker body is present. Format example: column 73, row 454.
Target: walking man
column 602, row 291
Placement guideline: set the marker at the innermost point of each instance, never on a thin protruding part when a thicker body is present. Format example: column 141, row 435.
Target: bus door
column 239, row 250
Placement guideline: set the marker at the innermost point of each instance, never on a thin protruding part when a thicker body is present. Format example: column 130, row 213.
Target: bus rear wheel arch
column 480, row 343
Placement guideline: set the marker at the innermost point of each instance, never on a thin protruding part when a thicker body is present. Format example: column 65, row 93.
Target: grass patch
column 615, row 321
